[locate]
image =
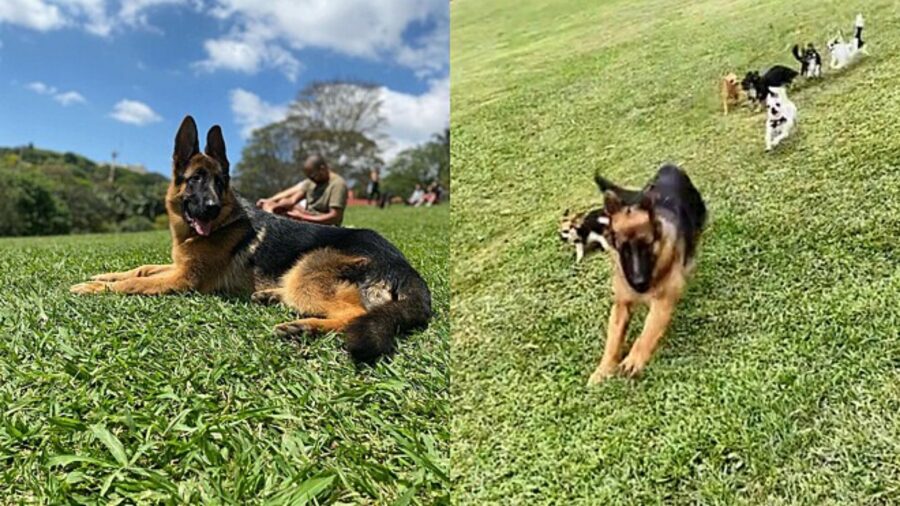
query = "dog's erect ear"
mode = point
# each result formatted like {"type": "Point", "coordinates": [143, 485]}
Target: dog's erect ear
{"type": "Point", "coordinates": [186, 145]}
{"type": "Point", "coordinates": [611, 202]}
{"type": "Point", "coordinates": [648, 200]}
{"type": "Point", "coordinates": [215, 147]}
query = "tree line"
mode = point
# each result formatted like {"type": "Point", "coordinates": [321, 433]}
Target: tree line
{"type": "Point", "coordinates": [344, 122]}
{"type": "Point", "coordinates": [45, 192]}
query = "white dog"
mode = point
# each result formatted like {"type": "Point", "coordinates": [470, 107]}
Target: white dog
{"type": "Point", "coordinates": [780, 117]}
{"type": "Point", "coordinates": [842, 52]}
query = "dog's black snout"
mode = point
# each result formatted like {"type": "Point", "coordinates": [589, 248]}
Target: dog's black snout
{"type": "Point", "coordinates": [641, 287]}
{"type": "Point", "coordinates": [211, 209]}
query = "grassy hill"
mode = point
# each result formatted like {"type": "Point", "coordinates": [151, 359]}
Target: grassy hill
{"type": "Point", "coordinates": [191, 399]}
{"type": "Point", "coordinates": [778, 380]}
{"type": "Point", "coordinates": [45, 192]}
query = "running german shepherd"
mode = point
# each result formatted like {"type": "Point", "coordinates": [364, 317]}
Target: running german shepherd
{"type": "Point", "coordinates": [348, 280]}
{"type": "Point", "coordinates": [653, 235]}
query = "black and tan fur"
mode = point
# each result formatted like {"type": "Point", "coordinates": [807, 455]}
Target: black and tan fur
{"type": "Point", "coordinates": [345, 280]}
{"type": "Point", "coordinates": [653, 235]}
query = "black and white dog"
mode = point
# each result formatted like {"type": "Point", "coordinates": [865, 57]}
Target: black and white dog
{"type": "Point", "coordinates": [842, 52]}
{"type": "Point", "coordinates": [810, 60]}
{"type": "Point", "coordinates": [585, 231]}
{"type": "Point", "coordinates": [780, 117]}
{"type": "Point", "coordinates": [757, 86]}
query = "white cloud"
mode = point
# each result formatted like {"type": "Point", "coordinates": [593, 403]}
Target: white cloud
{"type": "Point", "coordinates": [251, 112]}
{"type": "Point", "coordinates": [98, 17]}
{"type": "Point", "coordinates": [65, 98]}
{"type": "Point", "coordinates": [413, 119]}
{"type": "Point", "coordinates": [34, 14]}
{"type": "Point", "coordinates": [134, 112]}
{"type": "Point", "coordinates": [41, 88]}
{"type": "Point", "coordinates": [91, 14]}
{"type": "Point", "coordinates": [248, 56]}
{"type": "Point", "coordinates": [360, 28]}
{"type": "Point", "coordinates": [69, 98]}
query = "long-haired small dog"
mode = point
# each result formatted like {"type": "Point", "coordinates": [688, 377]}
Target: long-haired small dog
{"type": "Point", "coordinates": [842, 53]}
{"type": "Point", "coordinates": [757, 86]}
{"type": "Point", "coordinates": [730, 90]}
{"type": "Point", "coordinates": [810, 60]}
{"type": "Point", "coordinates": [780, 117]}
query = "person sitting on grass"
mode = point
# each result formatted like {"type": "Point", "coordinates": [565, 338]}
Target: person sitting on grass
{"type": "Point", "coordinates": [321, 198]}
{"type": "Point", "coordinates": [417, 195]}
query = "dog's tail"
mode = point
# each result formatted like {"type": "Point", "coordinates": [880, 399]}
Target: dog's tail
{"type": "Point", "coordinates": [859, 29]}
{"type": "Point", "coordinates": [605, 185]}
{"type": "Point", "coordinates": [373, 335]}
{"type": "Point", "coordinates": [797, 54]}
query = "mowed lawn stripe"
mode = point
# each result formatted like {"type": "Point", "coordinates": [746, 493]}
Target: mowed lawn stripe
{"type": "Point", "coordinates": [777, 380]}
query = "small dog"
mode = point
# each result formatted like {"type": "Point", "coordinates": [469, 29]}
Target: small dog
{"type": "Point", "coordinates": [842, 53]}
{"type": "Point", "coordinates": [730, 90]}
{"type": "Point", "coordinates": [810, 60]}
{"type": "Point", "coordinates": [652, 235]}
{"type": "Point", "coordinates": [757, 87]}
{"type": "Point", "coordinates": [780, 118]}
{"type": "Point", "coordinates": [585, 231]}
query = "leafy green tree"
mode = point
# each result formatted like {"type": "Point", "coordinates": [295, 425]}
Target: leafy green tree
{"type": "Point", "coordinates": [423, 164]}
{"type": "Point", "coordinates": [28, 206]}
{"type": "Point", "coordinates": [268, 163]}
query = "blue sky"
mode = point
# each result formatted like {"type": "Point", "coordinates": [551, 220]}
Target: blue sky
{"type": "Point", "coordinates": [93, 76]}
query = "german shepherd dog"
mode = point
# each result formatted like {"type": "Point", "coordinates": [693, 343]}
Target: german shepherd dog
{"type": "Point", "coordinates": [653, 235]}
{"type": "Point", "coordinates": [345, 280]}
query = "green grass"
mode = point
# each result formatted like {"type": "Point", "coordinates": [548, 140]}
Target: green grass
{"type": "Point", "coordinates": [190, 399]}
{"type": "Point", "coordinates": [778, 381]}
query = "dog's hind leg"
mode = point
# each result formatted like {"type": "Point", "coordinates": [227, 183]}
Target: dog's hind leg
{"type": "Point", "coordinates": [317, 286]}
{"type": "Point", "coordinates": [615, 336]}
{"type": "Point", "coordinates": [655, 326]}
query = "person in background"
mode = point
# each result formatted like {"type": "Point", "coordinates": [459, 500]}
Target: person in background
{"type": "Point", "coordinates": [321, 198]}
{"type": "Point", "coordinates": [417, 195]}
{"type": "Point", "coordinates": [374, 191]}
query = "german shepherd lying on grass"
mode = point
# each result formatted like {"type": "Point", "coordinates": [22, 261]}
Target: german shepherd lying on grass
{"type": "Point", "coordinates": [653, 235]}
{"type": "Point", "coordinates": [347, 280]}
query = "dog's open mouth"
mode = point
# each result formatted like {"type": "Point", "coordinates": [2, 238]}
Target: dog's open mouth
{"type": "Point", "coordinates": [202, 227]}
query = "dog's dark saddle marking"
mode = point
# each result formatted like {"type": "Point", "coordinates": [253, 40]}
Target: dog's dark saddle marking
{"type": "Point", "coordinates": [678, 197]}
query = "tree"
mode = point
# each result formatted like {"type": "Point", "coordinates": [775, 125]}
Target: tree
{"type": "Point", "coordinates": [341, 121]}
{"type": "Point", "coordinates": [423, 164]}
{"type": "Point", "coordinates": [28, 206]}
{"type": "Point", "coordinates": [268, 162]}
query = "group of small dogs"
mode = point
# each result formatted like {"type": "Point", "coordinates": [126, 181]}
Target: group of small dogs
{"type": "Point", "coordinates": [651, 234]}
{"type": "Point", "coordinates": [769, 88]}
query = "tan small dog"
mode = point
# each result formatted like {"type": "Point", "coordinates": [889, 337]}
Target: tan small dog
{"type": "Point", "coordinates": [731, 91]}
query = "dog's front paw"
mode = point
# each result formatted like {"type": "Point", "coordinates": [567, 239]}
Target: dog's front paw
{"type": "Point", "coordinates": [633, 365]}
{"type": "Point", "coordinates": [109, 276]}
{"type": "Point", "coordinates": [603, 372]}
{"type": "Point", "coordinates": [90, 287]}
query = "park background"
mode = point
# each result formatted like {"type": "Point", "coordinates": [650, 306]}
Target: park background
{"type": "Point", "coordinates": [190, 399]}
{"type": "Point", "coordinates": [93, 91]}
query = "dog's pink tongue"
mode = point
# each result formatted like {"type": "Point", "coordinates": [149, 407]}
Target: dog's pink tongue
{"type": "Point", "coordinates": [202, 227]}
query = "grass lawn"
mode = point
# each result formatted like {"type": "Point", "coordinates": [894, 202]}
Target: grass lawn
{"type": "Point", "coordinates": [779, 381]}
{"type": "Point", "coordinates": [190, 399]}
